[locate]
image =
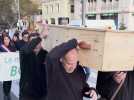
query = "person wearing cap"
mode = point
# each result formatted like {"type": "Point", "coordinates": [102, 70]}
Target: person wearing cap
{"type": "Point", "coordinates": [33, 35]}
{"type": "Point", "coordinates": [66, 79]}
{"type": "Point", "coordinates": [33, 73]}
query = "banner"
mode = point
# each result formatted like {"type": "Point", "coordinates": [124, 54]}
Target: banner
{"type": "Point", "coordinates": [9, 66]}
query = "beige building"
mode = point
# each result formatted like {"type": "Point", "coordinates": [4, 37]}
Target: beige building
{"type": "Point", "coordinates": [37, 1]}
{"type": "Point", "coordinates": [58, 11]}
{"type": "Point", "coordinates": [121, 11]}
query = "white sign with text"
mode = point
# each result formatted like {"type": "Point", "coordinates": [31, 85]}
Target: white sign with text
{"type": "Point", "coordinates": [9, 66]}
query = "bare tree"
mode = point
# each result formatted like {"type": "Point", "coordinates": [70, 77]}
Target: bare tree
{"type": "Point", "coordinates": [9, 11]}
{"type": "Point", "coordinates": [8, 16]}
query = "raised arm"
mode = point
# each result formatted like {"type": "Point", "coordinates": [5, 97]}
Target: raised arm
{"type": "Point", "coordinates": [61, 50]}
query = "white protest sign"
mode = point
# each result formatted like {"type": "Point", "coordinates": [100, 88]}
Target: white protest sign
{"type": "Point", "coordinates": [9, 66]}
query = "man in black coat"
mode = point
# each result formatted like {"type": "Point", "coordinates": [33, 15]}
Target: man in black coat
{"type": "Point", "coordinates": [108, 82]}
{"type": "Point", "coordinates": [24, 41]}
{"type": "Point", "coordinates": [66, 79]}
{"type": "Point", "coordinates": [33, 73]}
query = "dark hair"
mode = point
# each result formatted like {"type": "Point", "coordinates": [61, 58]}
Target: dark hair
{"type": "Point", "coordinates": [6, 35]}
{"type": "Point", "coordinates": [4, 32]}
{"type": "Point", "coordinates": [17, 35]}
{"type": "Point", "coordinates": [25, 32]}
{"type": "Point", "coordinates": [34, 35]}
{"type": "Point", "coordinates": [34, 42]}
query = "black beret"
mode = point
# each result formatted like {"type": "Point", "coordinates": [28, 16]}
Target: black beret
{"type": "Point", "coordinates": [34, 42]}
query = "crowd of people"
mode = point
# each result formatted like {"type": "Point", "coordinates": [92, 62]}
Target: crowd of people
{"type": "Point", "coordinates": [57, 75]}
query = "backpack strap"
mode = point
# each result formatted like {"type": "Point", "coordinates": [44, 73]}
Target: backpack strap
{"type": "Point", "coordinates": [117, 90]}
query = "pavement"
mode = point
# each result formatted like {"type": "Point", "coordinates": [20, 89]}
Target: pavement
{"type": "Point", "coordinates": [13, 97]}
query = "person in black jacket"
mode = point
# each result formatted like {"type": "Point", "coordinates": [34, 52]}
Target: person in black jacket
{"type": "Point", "coordinates": [108, 82]}
{"type": "Point", "coordinates": [33, 73]}
{"type": "Point", "coordinates": [19, 44]}
{"type": "Point", "coordinates": [7, 46]}
{"type": "Point", "coordinates": [66, 79]}
{"type": "Point", "coordinates": [15, 38]}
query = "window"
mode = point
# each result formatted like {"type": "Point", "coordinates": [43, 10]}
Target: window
{"type": "Point", "coordinates": [104, 1]}
{"type": "Point", "coordinates": [58, 6]}
{"type": "Point", "coordinates": [40, 12]}
{"type": "Point", "coordinates": [89, 1]}
{"type": "Point", "coordinates": [52, 20]}
{"type": "Point", "coordinates": [51, 8]}
{"type": "Point", "coordinates": [47, 10]}
{"type": "Point", "coordinates": [72, 8]}
{"type": "Point", "coordinates": [63, 20]}
{"type": "Point", "coordinates": [91, 16]}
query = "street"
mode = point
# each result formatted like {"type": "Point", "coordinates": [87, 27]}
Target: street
{"type": "Point", "coordinates": [13, 92]}
{"type": "Point", "coordinates": [1, 94]}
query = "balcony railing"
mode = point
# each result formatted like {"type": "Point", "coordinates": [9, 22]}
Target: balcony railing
{"type": "Point", "coordinates": [92, 7]}
{"type": "Point", "coordinates": [109, 6]}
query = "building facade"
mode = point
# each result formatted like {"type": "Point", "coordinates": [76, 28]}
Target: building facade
{"type": "Point", "coordinates": [57, 11]}
{"type": "Point", "coordinates": [121, 11]}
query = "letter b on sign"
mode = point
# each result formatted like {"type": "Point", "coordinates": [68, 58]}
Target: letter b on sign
{"type": "Point", "coordinates": [13, 71]}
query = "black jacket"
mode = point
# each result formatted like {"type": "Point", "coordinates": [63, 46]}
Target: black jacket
{"type": "Point", "coordinates": [60, 84]}
{"type": "Point", "coordinates": [106, 86]}
{"type": "Point", "coordinates": [19, 44]}
{"type": "Point", "coordinates": [33, 73]}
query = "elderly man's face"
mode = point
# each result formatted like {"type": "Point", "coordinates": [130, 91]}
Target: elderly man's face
{"type": "Point", "coordinates": [70, 61]}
